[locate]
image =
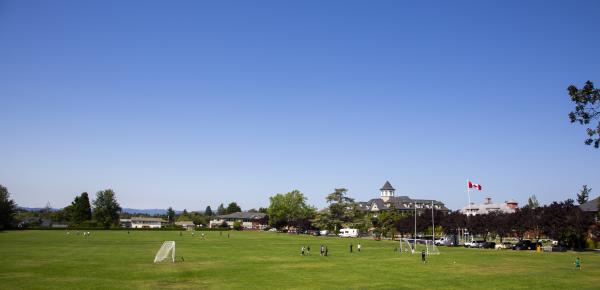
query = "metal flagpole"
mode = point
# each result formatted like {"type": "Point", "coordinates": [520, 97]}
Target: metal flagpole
{"type": "Point", "coordinates": [415, 236]}
{"type": "Point", "coordinates": [433, 224]}
{"type": "Point", "coordinates": [469, 207]}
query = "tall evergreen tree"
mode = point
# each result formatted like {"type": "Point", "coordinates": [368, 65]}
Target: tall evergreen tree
{"type": "Point", "coordinates": [532, 202]}
{"type": "Point", "coordinates": [170, 215]}
{"type": "Point", "coordinates": [106, 208]}
{"type": "Point", "coordinates": [208, 211]}
{"type": "Point", "coordinates": [8, 209]}
{"type": "Point", "coordinates": [221, 210]}
{"type": "Point", "coordinates": [584, 194]}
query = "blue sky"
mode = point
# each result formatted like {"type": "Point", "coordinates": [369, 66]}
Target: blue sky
{"type": "Point", "coordinates": [194, 103]}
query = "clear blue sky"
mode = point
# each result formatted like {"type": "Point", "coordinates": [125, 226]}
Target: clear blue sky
{"type": "Point", "coordinates": [194, 103]}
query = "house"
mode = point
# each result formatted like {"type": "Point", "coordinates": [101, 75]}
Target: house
{"type": "Point", "coordinates": [248, 220]}
{"type": "Point", "coordinates": [591, 206]}
{"type": "Point", "coordinates": [188, 225]}
{"type": "Point", "coordinates": [488, 206]}
{"type": "Point", "coordinates": [387, 200]}
{"type": "Point", "coordinates": [143, 222]}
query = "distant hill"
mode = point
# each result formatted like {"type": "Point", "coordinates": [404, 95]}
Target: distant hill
{"type": "Point", "coordinates": [36, 208]}
{"type": "Point", "coordinates": [150, 211]}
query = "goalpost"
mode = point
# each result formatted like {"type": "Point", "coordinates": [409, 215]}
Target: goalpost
{"type": "Point", "coordinates": [406, 247]}
{"type": "Point", "coordinates": [163, 253]}
{"type": "Point", "coordinates": [418, 245]}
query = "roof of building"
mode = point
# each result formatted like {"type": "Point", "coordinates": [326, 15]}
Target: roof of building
{"type": "Point", "coordinates": [487, 207]}
{"type": "Point", "coordinates": [147, 219]}
{"type": "Point", "coordinates": [591, 205]}
{"type": "Point", "coordinates": [387, 186]}
{"type": "Point", "coordinates": [244, 215]}
{"type": "Point", "coordinates": [401, 203]}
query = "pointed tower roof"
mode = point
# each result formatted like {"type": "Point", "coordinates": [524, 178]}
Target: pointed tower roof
{"type": "Point", "coordinates": [387, 186]}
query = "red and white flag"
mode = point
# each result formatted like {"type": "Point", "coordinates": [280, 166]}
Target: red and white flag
{"type": "Point", "coordinates": [474, 185]}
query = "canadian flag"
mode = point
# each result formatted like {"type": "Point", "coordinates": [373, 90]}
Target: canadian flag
{"type": "Point", "coordinates": [474, 185]}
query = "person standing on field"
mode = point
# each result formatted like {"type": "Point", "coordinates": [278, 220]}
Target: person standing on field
{"type": "Point", "coordinates": [358, 247]}
{"type": "Point", "coordinates": [302, 251]}
{"type": "Point", "coordinates": [423, 257]}
{"type": "Point", "coordinates": [308, 250]}
{"type": "Point", "coordinates": [350, 248]}
{"type": "Point", "coordinates": [578, 264]}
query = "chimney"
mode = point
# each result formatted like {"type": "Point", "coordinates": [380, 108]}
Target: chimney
{"type": "Point", "coordinates": [488, 200]}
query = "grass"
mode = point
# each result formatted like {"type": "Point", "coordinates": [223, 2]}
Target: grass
{"type": "Point", "coordinates": [246, 260]}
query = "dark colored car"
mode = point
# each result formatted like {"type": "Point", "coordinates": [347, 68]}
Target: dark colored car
{"type": "Point", "coordinates": [489, 245]}
{"type": "Point", "coordinates": [525, 245]}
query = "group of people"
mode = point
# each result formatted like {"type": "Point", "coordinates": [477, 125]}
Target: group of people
{"type": "Point", "coordinates": [304, 251]}
{"type": "Point", "coordinates": [358, 247]}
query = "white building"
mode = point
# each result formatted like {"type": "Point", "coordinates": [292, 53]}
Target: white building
{"type": "Point", "coordinates": [143, 222]}
{"type": "Point", "coordinates": [188, 225]}
{"type": "Point", "coordinates": [488, 206]}
{"type": "Point", "coordinates": [387, 200]}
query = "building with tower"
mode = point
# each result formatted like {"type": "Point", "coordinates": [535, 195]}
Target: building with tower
{"type": "Point", "coordinates": [388, 200]}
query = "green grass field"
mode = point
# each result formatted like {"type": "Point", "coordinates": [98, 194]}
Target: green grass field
{"type": "Point", "coordinates": [115, 259]}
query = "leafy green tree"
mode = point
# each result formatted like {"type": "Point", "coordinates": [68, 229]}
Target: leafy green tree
{"type": "Point", "coordinates": [262, 210]}
{"type": "Point", "coordinates": [199, 219]}
{"type": "Point", "coordinates": [208, 211]}
{"type": "Point", "coordinates": [170, 215]}
{"type": "Point", "coordinates": [290, 209]}
{"type": "Point", "coordinates": [232, 208]}
{"type": "Point", "coordinates": [587, 108]}
{"type": "Point", "coordinates": [106, 208]}
{"type": "Point", "coordinates": [221, 210]}
{"type": "Point", "coordinates": [237, 226]}
{"type": "Point", "coordinates": [583, 195]}
{"type": "Point", "coordinates": [342, 210]}
{"type": "Point", "coordinates": [79, 210]}
{"type": "Point", "coordinates": [8, 209]}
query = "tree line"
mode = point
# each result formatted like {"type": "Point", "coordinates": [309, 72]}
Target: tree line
{"type": "Point", "coordinates": [561, 221]}
{"type": "Point", "coordinates": [104, 211]}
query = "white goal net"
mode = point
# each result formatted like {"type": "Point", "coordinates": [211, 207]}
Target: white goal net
{"type": "Point", "coordinates": [163, 253]}
{"type": "Point", "coordinates": [417, 245]}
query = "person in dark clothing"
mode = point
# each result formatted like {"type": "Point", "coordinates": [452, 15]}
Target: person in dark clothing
{"type": "Point", "coordinates": [326, 250]}
{"type": "Point", "coordinates": [308, 250]}
{"type": "Point", "coordinates": [350, 248]}
{"type": "Point", "coordinates": [423, 257]}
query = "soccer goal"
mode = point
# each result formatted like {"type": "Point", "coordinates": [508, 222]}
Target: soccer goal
{"type": "Point", "coordinates": [431, 248]}
{"type": "Point", "coordinates": [406, 246]}
{"type": "Point", "coordinates": [163, 253]}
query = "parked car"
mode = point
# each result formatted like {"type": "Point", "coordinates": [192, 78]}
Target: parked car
{"type": "Point", "coordinates": [489, 245]}
{"type": "Point", "coordinates": [348, 233]}
{"type": "Point", "coordinates": [526, 245]}
{"type": "Point", "coordinates": [474, 244]}
{"type": "Point", "coordinates": [445, 241]}
{"type": "Point", "coordinates": [505, 245]}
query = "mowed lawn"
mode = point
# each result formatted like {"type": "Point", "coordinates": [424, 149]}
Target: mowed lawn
{"type": "Point", "coordinates": [261, 260]}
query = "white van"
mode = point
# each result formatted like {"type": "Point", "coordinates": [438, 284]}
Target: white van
{"type": "Point", "coordinates": [348, 233]}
